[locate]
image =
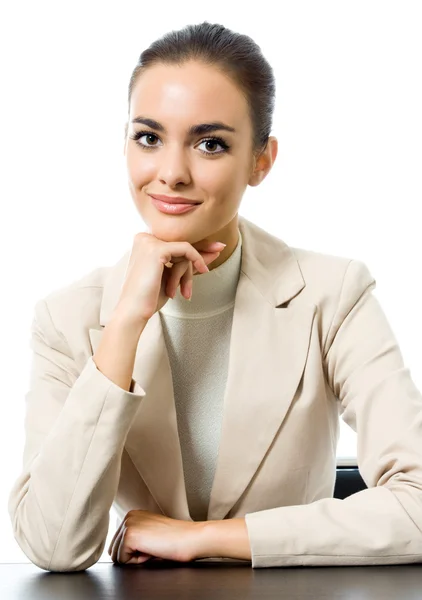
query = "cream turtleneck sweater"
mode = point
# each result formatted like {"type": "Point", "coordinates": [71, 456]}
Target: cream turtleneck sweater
{"type": "Point", "coordinates": [197, 336]}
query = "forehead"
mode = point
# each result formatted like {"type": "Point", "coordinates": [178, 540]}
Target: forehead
{"type": "Point", "coordinates": [191, 92]}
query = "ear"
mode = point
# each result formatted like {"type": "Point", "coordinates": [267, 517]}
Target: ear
{"type": "Point", "coordinates": [264, 162]}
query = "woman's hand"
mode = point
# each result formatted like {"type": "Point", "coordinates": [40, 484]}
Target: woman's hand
{"type": "Point", "coordinates": [143, 535]}
{"type": "Point", "coordinates": [155, 271]}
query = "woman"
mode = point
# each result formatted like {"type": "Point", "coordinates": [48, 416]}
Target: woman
{"type": "Point", "coordinates": [211, 424]}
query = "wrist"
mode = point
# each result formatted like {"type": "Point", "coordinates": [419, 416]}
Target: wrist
{"type": "Point", "coordinates": [226, 538]}
{"type": "Point", "coordinates": [206, 539]}
{"type": "Point", "coordinates": [124, 319]}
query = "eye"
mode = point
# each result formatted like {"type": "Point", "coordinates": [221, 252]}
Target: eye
{"type": "Point", "coordinates": [215, 140]}
{"type": "Point", "coordinates": [151, 136]}
{"type": "Point", "coordinates": [140, 134]}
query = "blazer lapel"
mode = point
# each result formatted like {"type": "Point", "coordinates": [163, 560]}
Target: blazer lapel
{"type": "Point", "coordinates": [268, 350]}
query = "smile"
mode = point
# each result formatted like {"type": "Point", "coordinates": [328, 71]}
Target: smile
{"type": "Point", "coordinates": [173, 209]}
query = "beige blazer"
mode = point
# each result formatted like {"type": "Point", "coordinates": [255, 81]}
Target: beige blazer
{"type": "Point", "coordinates": [309, 343]}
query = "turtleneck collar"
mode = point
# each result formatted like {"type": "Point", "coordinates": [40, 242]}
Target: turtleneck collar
{"type": "Point", "coordinates": [212, 292]}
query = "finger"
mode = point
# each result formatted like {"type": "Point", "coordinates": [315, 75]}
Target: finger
{"type": "Point", "coordinates": [186, 281]}
{"type": "Point", "coordinates": [123, 551]}
{"type": "Point", "coordinates": [183, 251]}
{"type": "Point", "coordinates": [138, 559]}
{"type": "Point", "coordinates": [208, 258]}
{"type": "Point", "coordinates": [116, 533]}
{"type": "Point", "coordinates": [176, 274]}
{"type": "Point", "coordinates": [116, 546]}
{"type": "Point", "coordinates": [127, 552]}
{"type": "Point", "coordinates": [182, 273]}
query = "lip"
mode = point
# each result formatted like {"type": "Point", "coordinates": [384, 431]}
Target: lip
{"type": "Point", "coordinates": [174, 199]}
{"type": "Point", "coordinates": [172, 209]}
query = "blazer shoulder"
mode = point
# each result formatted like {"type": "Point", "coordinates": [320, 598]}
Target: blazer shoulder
{"type": "Point", "coordinates": [74, 305]}
{"type": "Point", "coordinates": [333, 283]}
{"type": "Point", "coordinates": [325, 273]}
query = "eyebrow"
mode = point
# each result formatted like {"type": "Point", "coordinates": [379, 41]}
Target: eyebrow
{"type": "Point", "coordinates": [192, 131]}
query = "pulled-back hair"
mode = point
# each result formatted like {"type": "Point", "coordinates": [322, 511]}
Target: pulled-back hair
{"type": "Point", "coordinates": [234, 54]}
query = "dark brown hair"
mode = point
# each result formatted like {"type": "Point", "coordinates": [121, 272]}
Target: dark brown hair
{"type": "Point", "coordinates": [234, 54]}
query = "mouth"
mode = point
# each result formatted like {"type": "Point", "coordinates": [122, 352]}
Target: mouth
{"type": "Point", "coordinates": [173, 208]}
{"type": "Point", "coordinates": [174, 199]}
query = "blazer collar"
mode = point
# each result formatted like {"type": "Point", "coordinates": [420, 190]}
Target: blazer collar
{"type": "Point", "coordinates": [268, 349]}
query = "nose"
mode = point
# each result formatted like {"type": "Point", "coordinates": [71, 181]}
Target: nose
{"type": "Point", "coordinates": [173, 166]}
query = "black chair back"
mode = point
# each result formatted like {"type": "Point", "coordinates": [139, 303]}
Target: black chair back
{"type": "Point", "coordinates": [348, 482]}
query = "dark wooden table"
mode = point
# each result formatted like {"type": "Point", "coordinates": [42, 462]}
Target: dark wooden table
{"type": "Point", "coordinates": [207, 579]}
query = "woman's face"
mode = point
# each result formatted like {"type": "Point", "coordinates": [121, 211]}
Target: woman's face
{"type": "Point", "coordinates": [176, 163]}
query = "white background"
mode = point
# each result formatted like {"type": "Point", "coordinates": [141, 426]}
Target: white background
{"type": "Point", "coordinates": [346, 181]}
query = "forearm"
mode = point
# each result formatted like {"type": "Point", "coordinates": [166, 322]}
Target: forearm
{"type": "Point", "coordinates": [60, 503]}
{"type": "Point", "coordinates": [223, 538]}
{"type": "Point", "coordinates": [75, 433]}
{"type": "Point", "coordinates": [115, 355]}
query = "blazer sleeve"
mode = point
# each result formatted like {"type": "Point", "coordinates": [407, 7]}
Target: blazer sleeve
{"type": "Point", "coordinates": [379, 400]}
{"type": "Point", "coordinates": [76, 425]}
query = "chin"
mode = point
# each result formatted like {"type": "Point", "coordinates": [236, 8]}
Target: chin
{"type": "Point", "coordinates": [171, 232]}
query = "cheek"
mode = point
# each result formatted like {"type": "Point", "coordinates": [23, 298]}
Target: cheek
{"type": "Point", "coordinates": [139, 170]}
{"type": "Point", "coordinates": [219, 179]}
